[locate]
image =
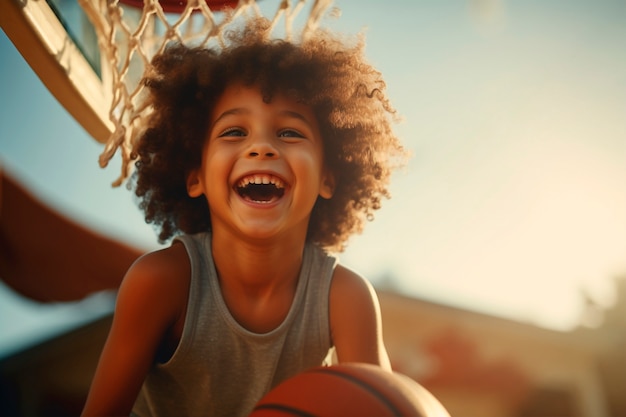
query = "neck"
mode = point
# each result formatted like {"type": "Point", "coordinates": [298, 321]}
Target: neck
{"type": "Point", "coordinates": [257, 267]}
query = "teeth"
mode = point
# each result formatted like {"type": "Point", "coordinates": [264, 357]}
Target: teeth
{"type": "Point", "coordinates": [260, 179]}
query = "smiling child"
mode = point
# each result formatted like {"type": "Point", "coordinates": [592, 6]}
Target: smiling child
{"type": "Point", "coordinates": [260, 160]}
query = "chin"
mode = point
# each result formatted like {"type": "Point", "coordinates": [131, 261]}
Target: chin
{"type": "Point", "coordinates": [264, 234]}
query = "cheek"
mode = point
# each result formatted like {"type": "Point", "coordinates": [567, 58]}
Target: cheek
{"type": "Point", "coordinates": [213, 170]}
{"type": "Point", "coordinates": [310, 168]}
{"type": "Point", "coordinates": [215, 158]}
{"type": "Point", "coordinates": [310, 155]}
{"type": "Point", "coordinates": [308, 164]}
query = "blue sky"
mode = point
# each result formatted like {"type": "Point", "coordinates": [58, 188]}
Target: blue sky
{"type": "Point", "coordinates": [514, 200]}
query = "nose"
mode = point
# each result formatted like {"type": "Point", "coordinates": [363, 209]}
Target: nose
{"type": "Point", "coordinates": [266, 154]}
{"type": "Point", "coordinates": [262, 148]}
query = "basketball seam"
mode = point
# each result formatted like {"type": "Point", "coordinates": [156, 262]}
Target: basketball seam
{"type": "Point", "coordinates": [394, 410]}
{"type": "Point", "coordinates": [281, 407]}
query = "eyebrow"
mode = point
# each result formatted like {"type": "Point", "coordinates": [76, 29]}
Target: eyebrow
{"type": "Point", "coordinates": [237, 110]}
{"type": "Point", "coordinates": [242, 110]}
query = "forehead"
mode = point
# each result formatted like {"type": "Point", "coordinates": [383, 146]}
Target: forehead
{"type": "Point", "coordinates": [237, 96]}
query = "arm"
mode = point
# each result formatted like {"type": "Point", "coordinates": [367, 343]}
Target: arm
{"type": "Point", "coordinates": [33, 263]}
{"type": "Point", "coordinates": [151, 300]}
{"type": "Point", "coordinates": [355, 320]}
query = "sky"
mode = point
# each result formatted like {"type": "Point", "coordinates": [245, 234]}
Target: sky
{"type": "Point", "coordinates": [513, 202]}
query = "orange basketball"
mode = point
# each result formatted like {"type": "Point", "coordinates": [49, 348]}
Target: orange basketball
{"type": "Point", "coordinates": [347, 390]}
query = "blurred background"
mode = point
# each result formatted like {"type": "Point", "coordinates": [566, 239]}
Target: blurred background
{"type": "Point", "coordinates": [500, 259]}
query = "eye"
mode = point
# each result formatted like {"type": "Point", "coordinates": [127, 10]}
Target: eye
{"type": "Point", "coordinates": [290, 134]}
{"type": "Point", "coordinates": [236, 132]}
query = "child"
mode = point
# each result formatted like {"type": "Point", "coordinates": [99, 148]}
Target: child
{"type": "Point", "coordinates": [258, 159]}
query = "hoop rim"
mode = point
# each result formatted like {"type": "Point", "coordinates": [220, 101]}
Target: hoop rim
{"type": "Point", "coordinates": [178, 6]}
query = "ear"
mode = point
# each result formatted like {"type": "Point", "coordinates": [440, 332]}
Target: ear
{"type": "Point", "coordinates": [327, 188]}
{"type": "Point", "coordinates": [194, 187]}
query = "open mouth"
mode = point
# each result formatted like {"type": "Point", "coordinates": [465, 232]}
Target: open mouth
{"type": "Point", "coordinates": [260, 188]}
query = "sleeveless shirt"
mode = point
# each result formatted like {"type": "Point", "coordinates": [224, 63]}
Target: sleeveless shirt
{"type": "Point", "coordinates": [222, 369]}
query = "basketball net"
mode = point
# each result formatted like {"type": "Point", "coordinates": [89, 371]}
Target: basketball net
{"type": "Point", "coordinates": [128, 38]}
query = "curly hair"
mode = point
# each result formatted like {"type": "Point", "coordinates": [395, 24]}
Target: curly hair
{"type": "Point", "coordinates": [325, 72]}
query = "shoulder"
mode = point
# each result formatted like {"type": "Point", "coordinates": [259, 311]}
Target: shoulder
{"type": "Point", "coordinates": [162, 263]}
{"type": "Point", "coordinates": [355, 319]}
{"type": "Point", "coordinates": [348, 284]}
{"type": "Point", "coordinates": [158, 279]}
{"type": "Point", "coordinates": [351, 294]}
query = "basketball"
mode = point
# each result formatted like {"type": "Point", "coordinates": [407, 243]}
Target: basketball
{"type": "Point", "coordinates": [347, 390]}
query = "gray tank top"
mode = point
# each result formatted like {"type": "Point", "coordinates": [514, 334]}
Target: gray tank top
{"type": "Point", "coordinates": [220, 368]}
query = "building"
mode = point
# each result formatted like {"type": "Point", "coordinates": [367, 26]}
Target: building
{"type": "Point", "coordinates": [480, 365]}
{"type": "Point", "coordinates": [476, 364]}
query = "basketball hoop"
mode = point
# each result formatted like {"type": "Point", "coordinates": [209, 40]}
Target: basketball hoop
{"type": "Point", "coordinates": [93, 54]}
{"type": "Point", "coordinates": [178, 6]}
{"type": "Point", "coordinates": [131, 32]}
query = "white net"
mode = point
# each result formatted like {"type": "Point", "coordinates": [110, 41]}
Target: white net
{"type": "Point", "coordinates": [129, 37]}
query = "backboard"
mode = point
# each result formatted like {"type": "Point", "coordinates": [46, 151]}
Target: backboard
{"type": "Point", "coordinates": [59, 43]}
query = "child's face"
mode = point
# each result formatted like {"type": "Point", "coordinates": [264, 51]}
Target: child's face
{"type": "Point", "coordinates": [262, 165]}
